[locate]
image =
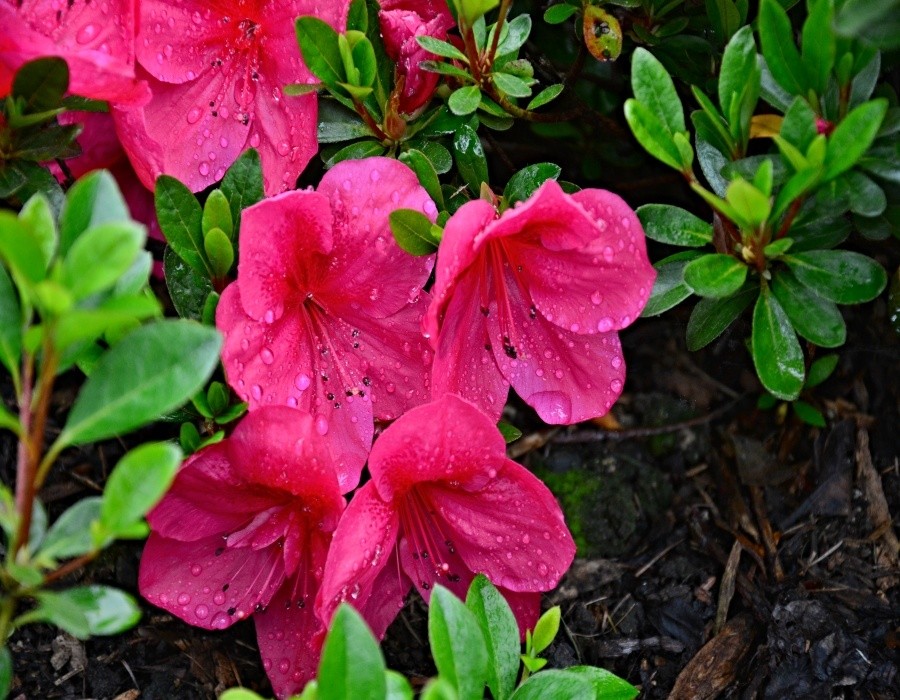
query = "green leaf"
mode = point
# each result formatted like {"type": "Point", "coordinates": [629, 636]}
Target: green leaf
{"type": "Point", "coordinates": [337, 124]}
{"type": "Point", "coordinates": [852, 137]}
{"type": "Point", "coordinates": [242, 186]}
{"type": "Point", "coordinates": [500, 630]}
{"type": "Point", "coordinates": [548, 94]}
{"type": "Point", "coordinates": [20, 249]}
{"type": "Point", "coordinates": [557, 14]}
{"type": "Point", "coordinates": [219, 252]}
{"type": "Point", "coordinates": [10, 324]}
{"type": "Point", "coordinates": [243, 694]}
{"type": "Point", "coordinates": [653, 87]}
{"type": "Point", "coordinates": [187, 289]}
{"type": "Point", "coordinates": [814, 318]}
{"type": "Point", "coordinates": [6, 671]}
{"type": "Point", "coordinates": [470, 160]}
{"type": "Point", "coordinates": [777, 248]}
{"type": "Point", "coordinates": [514, 36]}
{"type": "Point", "coordinates": [724, 18]}
{"type": "Point", "coordinates": [738, 69]}
{"type": "Point", "coordinates": [808, 414]}
{"type": "Point", "coordinates": [107, 610]}
{"type": "Point", "coordinates": [557, 685]}
{"type": "Point", "coordinates": [60, 610]}
{"type": "Point", "coordinates": [38, 217]}
{"type": "Point", "coordinates": [799, 125]}
{"type": "Point", "coordinates": [457, 644]}
{"type": "Point", "coordinates": [820, 370]}
{"type": "Point", "coordinates": [352, 667]}
{"type": "Point", "coordinates": [751, 206]}
{"type": "Point", "coordinates": [607, 686]}
{"type": "Point", "coordinates": [669, 288]}
{"type": "Point", "coordinates": [779, 49]}
{"type": "Point", "coordinates": [320, 49]}
{"type": "Point", "coordinates": [511, 85]}
{"type": "Point", "coordinates": [441, 48]}
{"type": "Point", "coordinates": [137, 484]}
{"type": "Point", "coordinates": [839, 275]}
{"type": "Point", "coordinates": [180, 218]}
{"type": "Point", "coordinates": [465, 100]}
{"type": "Point", "coordinates": [217, 214]}
{"type": "Point", "coordinates": [545, 630]}
{"type": "Point", "coordinates": [651, 134]}
{"type": "Point", "coordinates": [715, 275]}
{"type": "Point", "coordinates": [526, 181]}
{"type": "Point", "coordinates": [354, 151]}
{"type": "Point", "coordinates": [412, 231]}
{"type": "Point", "coordinates": [70, 535]}
{"type": "Point", "coordinates": [711, 317]}
{"type": "Point", "coordinates": [425, 171]}
{"type": "Point", "coordinates": [818, 44]}
{"type": "Point", "coordinates": [865, 196]}
{"type": "Point", "coordinates": [397, 686]}
{"type": "Point", "coordinates": [41, 83]}
{"type": "Point", "coordinates": [776, 351]}
{"type": "Point", "coordinates": [150, 371]}
{"type": "Point", "coordinates": [509, 432]}
{"type": "Point", "coordinates": [675, 226]}
{"type": "Point", "coordinates": [93, 200]}
{"type": "Point", "coordinates": [116, 244]}
{"type": "Point", "coordinates": [468, 11]}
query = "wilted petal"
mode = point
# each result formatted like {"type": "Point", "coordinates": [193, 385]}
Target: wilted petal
{"type": "Point", "coordinates": [206, 584]}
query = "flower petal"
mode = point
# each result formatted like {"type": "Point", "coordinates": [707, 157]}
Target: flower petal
{"type": "Point", "coordinates": [564, 376]}
{"type": "Point", "coordinates": [282, 364]}
{"type": "Point", "coordinates": [361, 568]}
{"type": "Point", "coordinates": [447, 440]}
{"type": "Point", "coordinates": [363, 193]}
{"type": "Point", "coordinates": [511, 528]}
{"type": "Point", "coordinates": [206, 584]}
{"type": "Point", "coordinates": [179, 41]}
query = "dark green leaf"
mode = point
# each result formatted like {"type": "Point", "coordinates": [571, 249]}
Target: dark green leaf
{"type": "Point", "coordinates": [839, 275]}
{"type": "Point", "coordinates": [853, 136]}
{"type": "Point", "coordinates": [865, 82]}
{"type": "Point", "coordinates": [470, 160]}
{"type": "Point", "coordinates": [776, 351]}
{"type": "Point", "coordinates": [818, 44]}
{"type": "Point", "coordinates": [653, 87]}
{"type": "Point", "coordinates": [180, 218]}
{"type": "Point", "coordinates": [509, 432]}
{"type": "Point", "coordinates": [820, 370]}
{"type": "Point", "coordinates": [814, 318]}
{"type": "Point", "coordinates": [724, 18]}
{"type": "Point", "coordinates": [525, 182]}
{"type": "Point", "coordinates": [738, 67]}
{"type": "Point", "coordinates": [652, 134]}
{"type": "Point", "coordinates": [669, 288]}
{"type": "Point", "coordinates": [355, 151]}
{"type": "Point", "coordinates": [39, 180]}
{"type": "Point", "coordinates": [607, 686]}
{"type": "Point", "coordinates": [352, 667]}
{"type": "Point", "coordinates": [779, 49]}
{"type": "Point", "coordinates": [319, 46]}
{"type": "Point", "coordinates": [6, 671]}
{"type": "Point", "coordinates": [441, 48]}
{"type": "Point", "coordinates": [511, 85]}
{"type": "Point", "coordinates": [457, 644]}
{"type": "Point", "coordinates": [426, 173]}
{"type": "Point", "coordinates": [711, 317]}
{"type": "Point", "coordinates": [117, 244]}
{"type": "Point", "coordinates": [715, 275]}
{"type": "Point", "coordinates": [412, 231]}
{"type": "Point", "coordinates": [70, 535]}
{"type": "Point", "coordinates": [93, 200]}
{"type": "Point", "coordinates": [548, 94]}
{"type": "Point", "coordinates": [799, 125]}
{"type": "Point", "coordinates": [10, 323]}
{"type": "Point", "coordinates": [41, 83]}
{"type": "Point", "coordinates": [555, 684]}
{"type": "Point", "coordinates": [187, 289]}
{"type": "Point", "coordinates": [337, 124]}
{"type": "Point", "coordinates": [465, 100]}
{"type": "Point", "coordinates": [866, 198]}
{"type": "Point", "coordinates": [499, 628]}
{"type": "Point", "coordinates": [557, 14]}
{"type": "Point", "coordinates": [137, 483]}
{"type": "Point", "coordinates": [808, 414]}
{"type": "Point", "coordinates": [154, 369]}
{"type": "Point", "coordinates": [675, 226]}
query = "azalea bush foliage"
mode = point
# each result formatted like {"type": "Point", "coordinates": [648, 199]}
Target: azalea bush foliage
{"type": "Point", "coordinates": [346, 348]}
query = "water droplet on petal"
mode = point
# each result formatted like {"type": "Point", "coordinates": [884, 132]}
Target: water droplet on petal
{"type": "Point", "coordinates": [615, 385]}
{"type": "Point", "coordinates": [302, 381]}
{"type": "Point", "coordinates": [616, 362]}
{"type": "Point", "coordinates": [608, 253]}
{"type": "Point", "coordinates": [183, 599]}
{"type": "Point", "coordinates": [204, 168]}
{"type": "Point", "coordinates": [86, 33]}
{"type": "Point", "coordinates": [196, 570]}
{"type": "Point", "coordinates": [219, 598]}
{"type": "Point", "coordinates": [605, 324]}
{"type": "Point", "coordinates": [194, 115]}
{"type": "Point", "coordinates": [283, 148]}
{"type": "Point", "coordinates": [254, 141]}
{"type": "Point", "coordinates": [220, 621]}
{"type": "Point", "coordinates": [256, 391]}
{"type": "Point", "coordinates": [201, 611]}
{"type": "Point", "coordinates": [267, 356]}
{"type": "Point", "coordinates": [321, 425]}
{"type": "Point", "coordinates": [596, 298]}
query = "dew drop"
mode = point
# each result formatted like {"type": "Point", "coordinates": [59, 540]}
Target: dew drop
{"type": "Point", "coordinates": [183, 599]}
{"type": "Point", "coordinates": [596, 298]}
{"type": "Point", "coordinates": [284, 666]}
{"type": "Point", "coordinates": [204, 168]}
{"type": "Point", "coordinates": [196, 570]}
{"type": "Point", "coordinates": [254, 141]}
{"type": "Point", "coordinates": [608, 253]}
{"type": "Point", "coordinates": [256, 391]}
{"type": "Point", "coordinates": [194, 115]}
{"type": "Point", "coordinates": [321, 425]}
{"type": "Point", "coordinates": [219, 598]}
{"type": "Point", "coordinates": [220, 621]}
{"type": "Point", "coordinates": [267, 356]}
{"type": "Point", "coordinates": [201, 611]}
{"type": "Point", "coordinates": [616, 362]}
{"type": "Point", "coordinates": [615, 385]}
{"type": "Point", "coordinates": [86, 33]}
{"type": "Point", "coordinates": [605, 324]}
{"type": "Point", "coordinates": [302, 381]}
{"type": "Point", "coordinates": [283, 148]}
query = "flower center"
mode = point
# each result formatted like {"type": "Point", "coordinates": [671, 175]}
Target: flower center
{"type": "Point", "coordinates": [433, 553]}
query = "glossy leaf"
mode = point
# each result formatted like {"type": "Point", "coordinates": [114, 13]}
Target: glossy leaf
{"type": "Point", "coordinates": [607, 686]}
{"type": "Point", "coordinates": [548, 94]}
{"type": "Point", "coordinates": [465, 100]}
{"type": "Point", "coordinates": [852, 137]}
{"type": "Point", "coordinates": [187, 289]}
{"type": "Point", "coordinates": [457, 644]}
{"type": "Point", "coordinates": [219, 251]}
{"type": "Point", "coordinates": [738, 67]}
{"type": "Point", "coordinates": [818, 44]}
{"type": "Point", "coordinates": [715, 275]}
{"type": "Point", "coordinates": [545, 630]}
{"type": "Point", "coordinates": [820, 370]}
{"type": "Point", "coordinates": [526, 181]}
{"type": "Point", "coordinates": [653, 87]}
{"type": "Point", "coordinates": [470, 160]}
{"type": "Point", "coordinates": [839, 275]}
{"type": "Point", "coordinates": [10, 324]}
{"type": "Point", "coordinates": [814, 318]}
{"type": "Point", "coordinates": [180, 218]}
{"type": "Point", "coordinates": [711, 317]}
{"type": "Point", "coordinates": [412, 231]}
{"type": "Point", "coordinates": [555, 684]}
{"type": "Point", "coordinates": [93, 200]}
{"type": "Point", "coordinates": [151, 371]}
{"type": "Point", "coordinates": [651, 133]}
{"type": "Point", "coordinates": [779, 49]}
{"type": "Point", "coordinates": [501, 633]}
{"type": "Point", "coordinates": [319, 46]}
{"type": "Point", "coordinates": [117, 244]}
{"type": "Point", "coordinates": [352, 666]}
{"type": "Point", "coordinates": [41, 84]}
{"type": "Point", "coordinates": [441, 48]}
{"type": "Point", "coordinates": [669, 288]}
{"type": "Point", "coordinates": [776, 351]}
{"type": "Point", "coordinates": [675, 226]}
{"type": "Point", "coordinates": [426, 172]}
{"type": "Point", "coordinates": [70, 535]}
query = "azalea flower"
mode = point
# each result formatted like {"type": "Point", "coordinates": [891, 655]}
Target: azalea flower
{"type": "Point", "coordinates": [218, 72]}
{"type": "Point", "coordinates": [244, 531]}
{"type": "Point", "coordinates": [96, 39]}
{"type": "Point", "coordinates": [401, 22]}
{"type": "Point", "coordinates": [444, 504]}
{"type": "Point", "coordinates": [326, 310]}
{"type": "Point", "coordinates": [534, 298]}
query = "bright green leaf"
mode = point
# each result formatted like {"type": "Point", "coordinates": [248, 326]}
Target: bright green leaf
{"type": "Point", "coordinates": [352, 667]}
{"type": "Point", "coordinates": [500, 630]}
{"type": "Point", "coordinates": [715, 275]}
{"type": "Point", "coordinates": [457, 644]}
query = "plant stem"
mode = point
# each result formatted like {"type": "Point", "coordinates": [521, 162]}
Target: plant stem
{"type": "Point", "coordinates": [789, 218]}
{"type": "Point", "coordinates": [70, 566]}
{"type": "Point", "coordinates": [24, 478]}
{"type": "Point", "coordinates": [501, 19]}
{"type": "Point", "coordinates": [370, 122]}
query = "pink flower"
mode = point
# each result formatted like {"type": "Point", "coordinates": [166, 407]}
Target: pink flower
{"type": "Point", "coordinates": [244, 531]}
{"type": "Point", "coordinates": [534, 297]}
{"type": "Point", "coordinates": [444, 504]}
{"type": "Point", "coordinates": [218, 71]}
{"type": "Point", "coordinates": [95, 39]}
{"type": "Point", "coordinates": [326, 310]}
{"type": "Point", "coordinates": [401, 22]}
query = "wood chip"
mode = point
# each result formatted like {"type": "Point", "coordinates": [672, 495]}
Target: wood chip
{"type": "Point", "coordinates": [132, 694]}
{"type": "Point", "coordinates": [888, 551]}
{"type": "Point", "coordinates": [716, 665]}
{"type": "Point", "coordinates": [726, 590]}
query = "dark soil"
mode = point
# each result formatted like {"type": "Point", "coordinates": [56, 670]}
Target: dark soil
{"type": "Point", "coordinates": [723, 553]}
